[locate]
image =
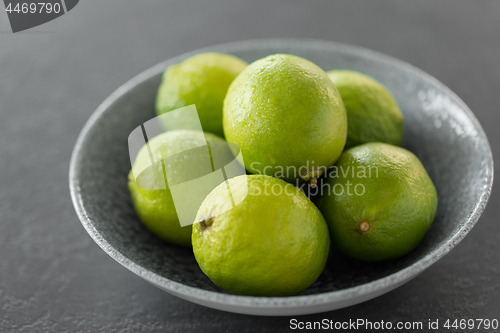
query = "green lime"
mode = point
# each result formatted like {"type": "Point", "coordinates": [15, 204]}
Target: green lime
{"type": "Point", "coordinates": [275, 242]}
{"type": "Point", "coordinates": [155, 207]}
{"type": "Point", "coordinates": [378, 201]}
{"type": "Point", "coordinates": [287, 117]}
{"type": "Point", "coordinates": [372, 112]}
{"type": "Point", "coordinates": [202, 80]}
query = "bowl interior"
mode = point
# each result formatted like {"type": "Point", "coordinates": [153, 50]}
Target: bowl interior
{"type": "Point", "coordinates": [439, 129]}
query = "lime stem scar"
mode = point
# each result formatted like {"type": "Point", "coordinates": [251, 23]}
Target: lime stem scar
{"type": "Point", "coordinates": [363, 227]}
{"type": "Point", "coordinates": [206, 223]}
{"type": "Point", "coordinates": [312, 176]}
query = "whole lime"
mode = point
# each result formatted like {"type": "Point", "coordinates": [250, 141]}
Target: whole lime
{"type": "Point", "coordinates": [286, 116]}
{"type": "Point", "coordinates": [273, 243]}
{"type": "Point", "coordinates": [202, 80]}
{"type": "Point", "coordinates": [372, 112]}
{"type": "Point", "coordinates": [378, 201]}
{"type": "Point", "coordinates": [155, 207]}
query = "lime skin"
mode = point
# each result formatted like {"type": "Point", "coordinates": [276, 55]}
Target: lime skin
{"type": "Point", "coordinates": [372, 112]}
{"type": "Point", "coordinates": [155, 207]}
{"type": "Point", "coordinates": [273, 243]}
{"type": "Point", "coordinates": [391, 204]}
{"type": "Point", "coordinates": [202, 80]}
{"type": "Point", "coordinates": [286, 116]}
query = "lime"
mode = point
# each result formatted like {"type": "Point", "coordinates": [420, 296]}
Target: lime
{"type": "Point", "coordinates": [372, 112]}
{"type": "Point", "coordinates": [287, 117]}
{"type": "Point", "coordinates": [378, 201]}
{"type": "Point", "coordinates": [155, 207]}
{"type": "Point", "coordinates": [202, 80]}
{"type": "Point", "coordinates": [273, 243]}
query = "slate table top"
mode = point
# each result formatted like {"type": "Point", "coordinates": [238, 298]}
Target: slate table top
{"type": "Point", "coordinates": [54, 278]}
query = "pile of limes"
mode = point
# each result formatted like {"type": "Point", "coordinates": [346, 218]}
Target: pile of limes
{"type": "Point", "coordinates": [298, 127]}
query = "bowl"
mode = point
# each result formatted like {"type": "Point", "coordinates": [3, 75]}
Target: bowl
{"type": "Point", "coordinates": [439, 128]}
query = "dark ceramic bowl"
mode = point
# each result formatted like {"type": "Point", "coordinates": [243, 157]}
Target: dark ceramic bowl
{"type": "Point", "coordinates": [439, 128]}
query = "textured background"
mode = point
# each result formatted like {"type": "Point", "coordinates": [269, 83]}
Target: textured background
{"type": "Point", "coordinates": [53, 278]}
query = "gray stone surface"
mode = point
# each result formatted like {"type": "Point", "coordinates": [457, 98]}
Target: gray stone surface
{"type": "Point", "coordinates": [52, 275]}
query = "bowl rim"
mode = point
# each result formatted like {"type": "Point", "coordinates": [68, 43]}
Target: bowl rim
{"type": "Point", "coordinates": [314, 300]}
